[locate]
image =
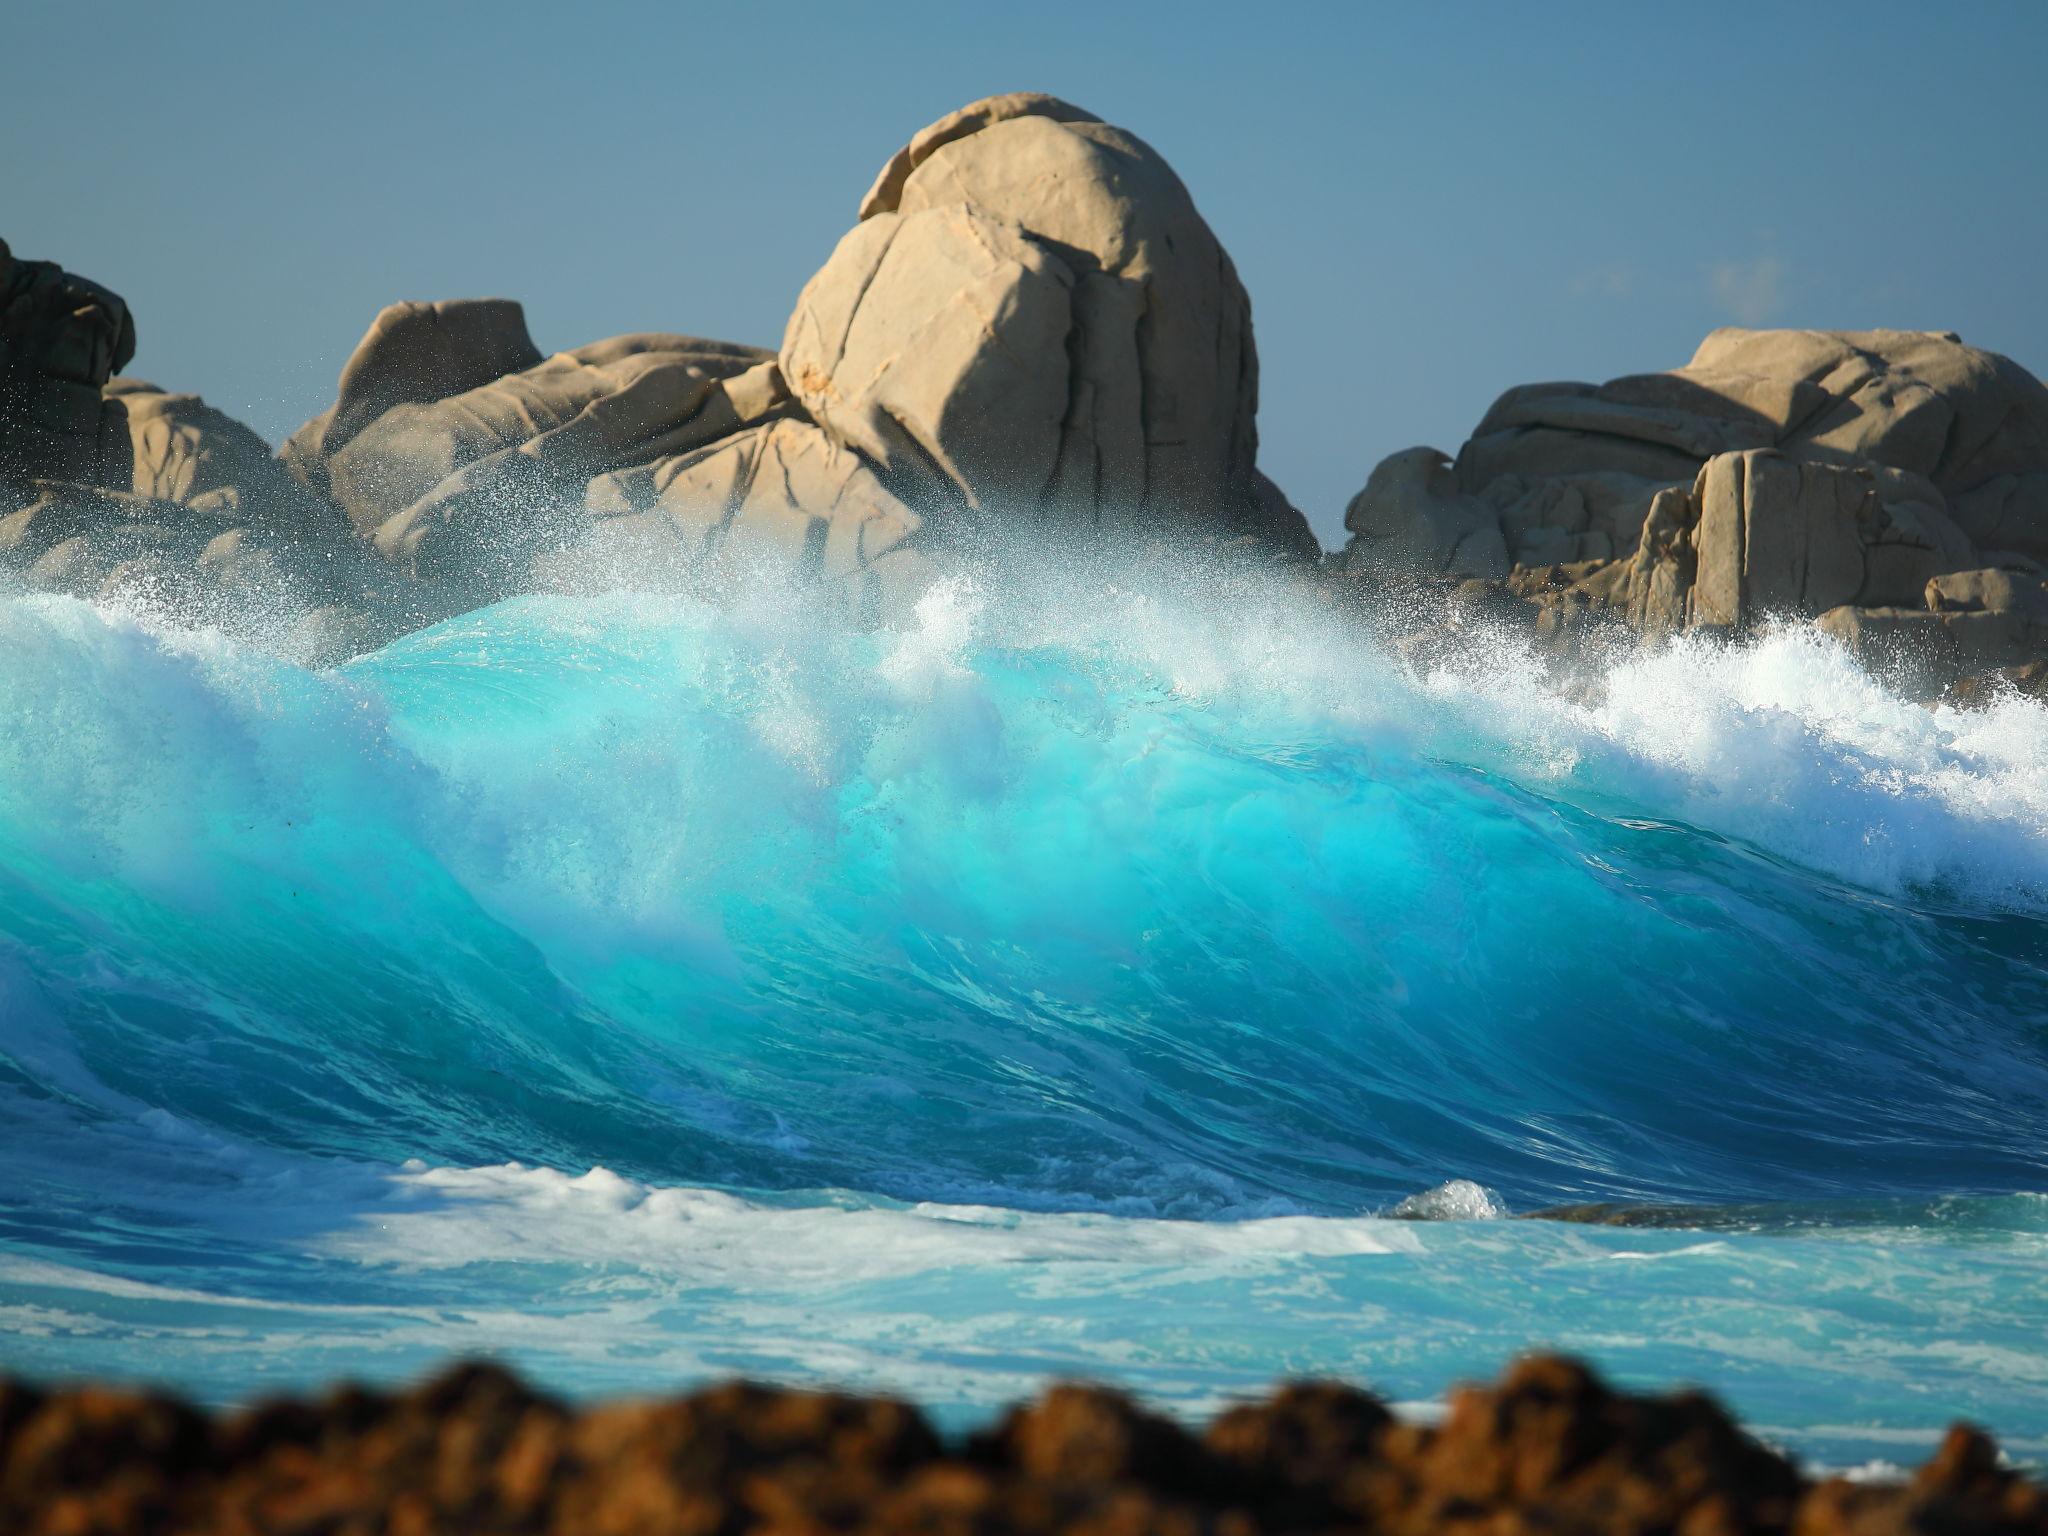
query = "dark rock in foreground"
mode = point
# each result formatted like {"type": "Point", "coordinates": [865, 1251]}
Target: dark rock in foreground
{"type": "Point", "coordinates": [1547, 1449]}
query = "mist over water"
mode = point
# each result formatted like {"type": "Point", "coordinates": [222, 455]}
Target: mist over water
{"type": "Point", "coordinates": [1065, 981]}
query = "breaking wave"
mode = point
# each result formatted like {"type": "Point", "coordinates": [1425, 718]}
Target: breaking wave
{"type": "Point", "coordinates": [1080, 926]}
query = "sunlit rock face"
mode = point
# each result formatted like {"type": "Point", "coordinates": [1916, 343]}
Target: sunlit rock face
{"type": "Point", "coordinates": [1852, 477]}
{"type": "Point", "coordinates": [1029, 326]}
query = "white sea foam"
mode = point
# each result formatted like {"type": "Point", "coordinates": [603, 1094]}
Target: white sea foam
{"type": "Point", "coordinates": [432, 1218]}
{"type": "Point", "coordinates": [1453, 1200]}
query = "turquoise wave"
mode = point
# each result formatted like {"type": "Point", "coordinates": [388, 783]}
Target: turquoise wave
{"type": "Point", "coordinates": [1137, 909]}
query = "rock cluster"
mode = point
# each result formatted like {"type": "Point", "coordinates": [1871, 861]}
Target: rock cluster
{"type": "Point", "coordinates": [1890, 485]}
{"type": "Point", "coordinates": [1550, 1448]}
{"type": "Point", "coordinates": [1030, 324]}
{"type": "Point", "coordinates": [1030, 327]}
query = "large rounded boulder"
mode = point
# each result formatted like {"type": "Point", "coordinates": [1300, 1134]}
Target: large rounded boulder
{"type": "Point", "coordinates": [1033, 323]}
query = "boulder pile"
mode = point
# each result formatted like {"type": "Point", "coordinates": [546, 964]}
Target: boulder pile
{"type": "Point", "coordinates": [1029, 325]}
{"type": "Point", "coordinates": [475, 1452]}
{"type": "Point", "coordinates": [1890, 485]}
{"type": "Point", "coordinates": [1030, 328]}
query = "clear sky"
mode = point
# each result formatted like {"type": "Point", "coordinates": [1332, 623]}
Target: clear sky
{"type": "Point", "coordinates": [1428, 202]}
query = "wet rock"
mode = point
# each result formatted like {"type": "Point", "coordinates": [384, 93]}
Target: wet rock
{"type": "Point", "coordinates": [1780, 475]}
{"type": "Point", "coordinates": [185, 451]}
{"type": "Point", "coordinates": [61, 338]}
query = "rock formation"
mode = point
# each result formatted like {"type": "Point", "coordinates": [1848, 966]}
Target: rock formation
{"type": "Point", "coordinates": [1030, 328]}
{"type": "Point", "coordinates": [61, 339]}
{"type": "Point", "coordinates": [1550, 1448]}
{"type": "Point", "coordinates": [1030, 325]}
{"type": "Point", "coordinates": [1891, 484]}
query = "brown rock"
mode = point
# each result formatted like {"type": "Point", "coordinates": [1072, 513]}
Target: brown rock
{"type": "Point", "coordinates": [1549, 1449]}
{"type": "Point", "coordinates": [784, 488]}
{"type": "Point", "coordinates": [412, 353]}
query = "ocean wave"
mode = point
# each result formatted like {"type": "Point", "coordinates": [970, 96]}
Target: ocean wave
{"type": "Point", "coordinates": [1184, 900]}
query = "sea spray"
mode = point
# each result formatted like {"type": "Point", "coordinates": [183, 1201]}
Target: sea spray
{"type": "Point", "coordinates": [1072, 933]}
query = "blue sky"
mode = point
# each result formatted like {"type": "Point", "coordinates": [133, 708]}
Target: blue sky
{"type": "Point", "coordinates": [1428, 203]}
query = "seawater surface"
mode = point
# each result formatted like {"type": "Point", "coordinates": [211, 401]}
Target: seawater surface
{"type": "Point", "coordinates": [1073, 980]}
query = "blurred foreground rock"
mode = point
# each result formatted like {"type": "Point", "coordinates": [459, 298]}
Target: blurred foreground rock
{"type": "Point", "coordinates": [1892, 485]}
{"type": "Point", "coordinates": [475, 1453]}
{"type": "Point", "coordinates": [1030, 325]}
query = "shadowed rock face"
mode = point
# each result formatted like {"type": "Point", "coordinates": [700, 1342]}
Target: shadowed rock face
{"type": "Point", "coordinates": [61, 338]}
{"type": "Point", "coordinates": [1780, 474]}
{"type": "Point", "coordinates": [474, 1452]}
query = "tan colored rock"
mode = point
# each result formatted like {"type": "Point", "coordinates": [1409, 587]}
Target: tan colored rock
{"type": "Point", "coordinates": [578, 413]}
{"type": "Point", "coordinates": [1780, 473]}
{"type": "Point", "coordinates": [934, 344]}
{"type": "Point", "coordinates": [500, 473]}
{"type": "Point", "coordinates": [785, 489]}
{"type": "Point", "coordinates": [1918, 400]}
{"type": "Point", "coordinates": [1761, 534]}
{"type": "Point", "coordinates": [887, 192]}
{"type": "Point", "coordinates": [1774, 537]}
{"type": "Point", "coordinates": [1412, 519]}
{"type": "Point", "coordinates": [2008, 512]}
{"type": "Point", "coordinates": [1033, 323]}
{"type": "Point", "coordinates": [185, 451]}
{"type": "Point", "coordinates": [1656, 590]}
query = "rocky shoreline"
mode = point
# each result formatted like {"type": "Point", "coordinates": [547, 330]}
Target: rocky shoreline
{"type": "Point", "coordinates": [1549, 1447]}
{"type": "Point", "coordinates": [1031, 334]}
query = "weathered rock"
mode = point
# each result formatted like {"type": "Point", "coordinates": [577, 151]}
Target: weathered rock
{"type": "Point", "coordinates": [1780, 474]}
{"type": "Point", "coordinates": [1763, 535]}
{"type": "Point", "coordinates": [1971, 625]}
{"type": "Point", "coordinates": [1962, 432]}
{"type": "Point", "coordinates": [1033, 323]}
{"type": "Point", "coordinates": [1411, 516]}
{"type": "Point", "coordinates": [575, 414]}
{"type": "Point", "coordinates": [61, 338]}
{"type": "Point", "coordinates": [412, 353]}
{"type": "Point", "coordinates": [185, 451]}
{"type": "Point", "coordinates": [784, 488]}
{"type": "Point", "coordinates": [93, 543]}
{"type": "Point", "coordinates": [313, 598]}
{"type": "Point", "coordinates": [462, 470]}
{"type": "Point", "coordinates": [1914, 400]}
{"type": "Point", "coordinates": [502, 472]}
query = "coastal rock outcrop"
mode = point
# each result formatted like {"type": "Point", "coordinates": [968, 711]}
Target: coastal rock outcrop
{"type": "Point", "coordinates": [113, 489]}
{"type": "Point", "coordinates": [1032, 323]}
{"type": "Point", "coordinates": [1030, 327]}
{"type": "Point", "coordinates": [1779, 474]}
{"type": "Point", "coordinates": [61, 338]}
